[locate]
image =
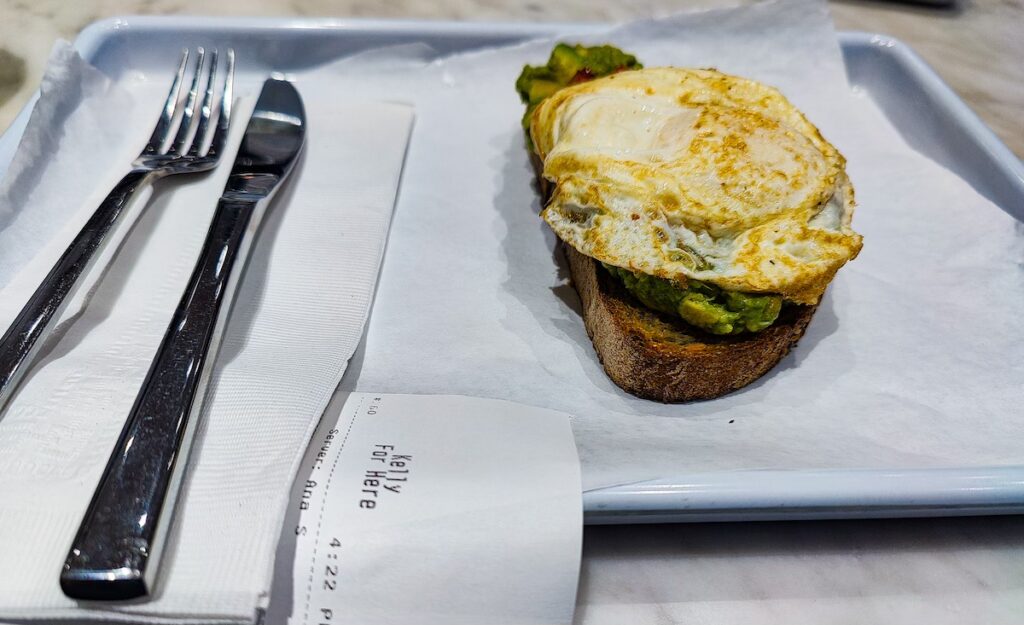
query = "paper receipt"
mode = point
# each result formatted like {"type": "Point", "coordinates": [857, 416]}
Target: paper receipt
{"type": "Point", "coordinates": [431, 509]}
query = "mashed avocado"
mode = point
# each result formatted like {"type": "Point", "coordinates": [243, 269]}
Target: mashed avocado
{"type": "Point", "coordinates": [568, 65]}
{"type": "Point", "coordinates": [702, 305]}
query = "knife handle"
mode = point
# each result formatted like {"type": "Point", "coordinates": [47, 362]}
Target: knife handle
{"type": "Point", "coordinates": [117, 550]}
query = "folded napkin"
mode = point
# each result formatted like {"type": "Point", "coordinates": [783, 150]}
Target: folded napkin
{"type": "Point", "coordinates": [297, 319]}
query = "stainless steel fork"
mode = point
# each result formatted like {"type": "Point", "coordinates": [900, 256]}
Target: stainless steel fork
{"type": "Point", "coordinates": [175, 147]}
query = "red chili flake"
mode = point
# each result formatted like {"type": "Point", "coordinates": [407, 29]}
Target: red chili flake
{"type": "Point", "coordinates": [581, 76]}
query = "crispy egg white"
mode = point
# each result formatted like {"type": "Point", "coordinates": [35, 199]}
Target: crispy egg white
{"type": "Point", "coordinates": [694, 174]}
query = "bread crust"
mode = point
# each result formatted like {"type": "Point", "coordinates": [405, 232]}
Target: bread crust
{"type": "Point", "coordinates": [659, 357]}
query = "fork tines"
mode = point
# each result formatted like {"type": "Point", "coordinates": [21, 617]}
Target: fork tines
{"type": "Point", "coordinates": [179, 131]}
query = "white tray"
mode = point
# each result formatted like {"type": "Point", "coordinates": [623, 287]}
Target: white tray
{"type": "Point", "coordinates": [923, 108]}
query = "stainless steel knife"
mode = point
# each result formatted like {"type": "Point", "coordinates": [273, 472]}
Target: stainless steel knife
{"type": "Point", "coordinates": [116, 553]}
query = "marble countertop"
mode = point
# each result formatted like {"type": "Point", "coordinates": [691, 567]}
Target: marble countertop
{"type": "Point", "coordinates": [897, 571]}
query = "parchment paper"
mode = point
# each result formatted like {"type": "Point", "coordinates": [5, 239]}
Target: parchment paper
{"type": "Point", "coordinates": [914, 357]}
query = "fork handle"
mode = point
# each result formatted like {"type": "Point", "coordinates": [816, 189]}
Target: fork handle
{"type": "Point", "coordinates": [22, 340]}
{"type": "Point", "coordinates": [117, 550]}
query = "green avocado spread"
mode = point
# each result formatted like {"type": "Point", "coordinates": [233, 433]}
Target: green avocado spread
{"type": "Point", "coordinates": [702, 305]}
{"type": "Point", "coordinates": [568, 65]}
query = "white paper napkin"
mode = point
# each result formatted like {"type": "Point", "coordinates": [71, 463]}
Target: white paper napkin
{"type": "Point", "coordinates": [297, 319]}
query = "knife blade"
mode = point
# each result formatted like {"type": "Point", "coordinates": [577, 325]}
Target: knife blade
{"type": "Point", "coordinates": [116, 552]}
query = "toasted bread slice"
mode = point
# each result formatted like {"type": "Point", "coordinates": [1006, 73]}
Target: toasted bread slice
{"type": "Point", "coordinates": [655, 356]}
{"type": "Point", "coordinates": [658, 357]}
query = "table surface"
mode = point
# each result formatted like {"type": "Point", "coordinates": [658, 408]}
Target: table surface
{"type": "Point", "coordinates": [898, 571]}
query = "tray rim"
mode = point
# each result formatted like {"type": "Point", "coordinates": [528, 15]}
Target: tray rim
{"type": "Point", "coordinates": [711, 496]}
{"type": "Point", "coordinates": [941, 94]}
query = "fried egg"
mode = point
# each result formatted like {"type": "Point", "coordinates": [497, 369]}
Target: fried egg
{"type": "Point", "coordinates": [694, 174]}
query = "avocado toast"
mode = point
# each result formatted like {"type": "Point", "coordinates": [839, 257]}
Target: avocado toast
{"type": "Point", "coordinates": [696, 269]}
